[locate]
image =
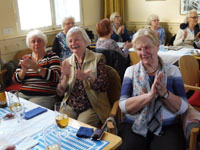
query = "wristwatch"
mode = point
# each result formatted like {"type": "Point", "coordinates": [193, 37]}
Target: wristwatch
{"type": "Point", "coordinates": [88, 78]}
{"type": "Point", "coordinates": [166, 95]}
{"type": "Point", "coordinates": [39, 70]}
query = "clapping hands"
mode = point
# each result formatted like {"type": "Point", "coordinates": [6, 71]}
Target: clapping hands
{"type": "Point", "coordinates": [158, 87]}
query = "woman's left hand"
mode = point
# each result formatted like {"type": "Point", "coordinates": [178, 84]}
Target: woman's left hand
{"type": "Point", "coordinates": [160, 84]}
{"type": "Point", "coordinates": [82, 75]}
{"type": "Point", "coordinates": [197, 36]}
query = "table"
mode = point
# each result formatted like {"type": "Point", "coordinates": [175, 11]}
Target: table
{"type": "Point", "coordinates": [12, 132]}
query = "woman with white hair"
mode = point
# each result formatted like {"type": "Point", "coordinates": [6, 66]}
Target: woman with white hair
{"type": "Point", "coordinates": [38, 72]}
{"type": "Point", "coordinates": [60, 46]}
{"type": "Point", "coordinates": [120, 33]}
{"type": "Point", "coordinates": [152, 99]}
{"type": "Point", "coordinates": [153, 22]}
{"type": "Point", "coordinates": [188, 34]}
{"type": "Point", "coordinates": [84, 81]}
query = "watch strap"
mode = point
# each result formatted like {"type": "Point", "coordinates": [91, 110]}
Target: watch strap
{"type": "Point", "coordinates": [166, 95]}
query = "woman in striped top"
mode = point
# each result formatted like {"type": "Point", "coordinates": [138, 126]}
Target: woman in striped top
{"type": "Point", "coordinates": [38, 72]}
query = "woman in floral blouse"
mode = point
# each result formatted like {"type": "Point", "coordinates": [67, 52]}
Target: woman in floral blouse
{"type": "Point", "coordinates": [83, 81]}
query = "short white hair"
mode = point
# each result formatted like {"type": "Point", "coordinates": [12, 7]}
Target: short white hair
{"type": "Point", "coordinates": [36, 33]}
{"type": "Point", "coordinates": [188, 15]}
{"type": "Point", "coordinates": [113, 15]}
{"type": "Point", "coordinates": [151, 18]}
{"type": "Point", "coordinates": [66, 18]}
{"type": "Point", "coordinates": [81, 31]}
{"type": "Point", "coordinates": [145, 32]}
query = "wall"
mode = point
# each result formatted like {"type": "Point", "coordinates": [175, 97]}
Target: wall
{"type": "Point", "coordinates": [137, 12]}
{"type": "Point", "coordinates": [11, 41]}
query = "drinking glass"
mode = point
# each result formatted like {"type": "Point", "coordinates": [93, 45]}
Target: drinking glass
{"type": "Point", "coordinates": [13, 99]}
{"type": "Point", "coordinates": [51, 139]}
{"type": "Point", "coordinates": [19, 112]}
{"type": "Point", "coordinates": [60, 116]}
{"type": "Point", "coordinates": [15, 105]}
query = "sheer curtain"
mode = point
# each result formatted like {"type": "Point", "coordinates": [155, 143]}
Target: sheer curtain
{"type": "Point", "coordinates": [111, 6]}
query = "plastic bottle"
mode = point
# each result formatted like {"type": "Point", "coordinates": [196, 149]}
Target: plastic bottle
{"type": "Point", "coordinates": [3, 101]}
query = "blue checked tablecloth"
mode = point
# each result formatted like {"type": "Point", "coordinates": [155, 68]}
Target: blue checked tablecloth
{"type": "Point", "coordinates": [69, 142]}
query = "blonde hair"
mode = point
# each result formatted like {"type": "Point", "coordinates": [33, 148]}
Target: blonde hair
{"type": "Point", "coordinates": [38, 34]}
{"type": "Point", "coordinates": [113, 15]}
{"type": "Point", "coordinates": [145, 32]}
{"type": "Point", "coordinates": [151, 18]}
{"type": "Point", "coordinates": [81, 31]}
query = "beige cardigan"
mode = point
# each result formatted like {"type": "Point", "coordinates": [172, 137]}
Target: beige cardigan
{"type": "Point", "coordinates": [99, 100]}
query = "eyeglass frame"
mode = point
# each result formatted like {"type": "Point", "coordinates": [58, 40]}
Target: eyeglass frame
{"type": "Point", "coordinates": [118, 17]}
{"type": "Point", "coordinates": [194, 17]}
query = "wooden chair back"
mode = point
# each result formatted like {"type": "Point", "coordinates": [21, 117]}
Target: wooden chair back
{"type": "Point", "coordinates": [134, 57]}
{"type": "Point", "coordinates": [114, 88]}
{"type": "Point", "coordinates": [189, 68]}
{"type": "Point", "coordinates": [21, 53]}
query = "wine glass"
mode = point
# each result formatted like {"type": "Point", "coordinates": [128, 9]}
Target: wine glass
{"type": "Point", "coordinates": [19, 112]}
{"type": "Point", "coordinates": [60, 116]}
{"type": "Point", "coordinates": [51, 139]}
{"type": "Point", "coordinates": [15, 105]}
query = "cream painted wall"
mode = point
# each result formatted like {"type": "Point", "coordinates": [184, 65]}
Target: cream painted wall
{"type": "Point", "coordinates": [10, 44]}
{"type": "Point", "coordinates": [139, 10]}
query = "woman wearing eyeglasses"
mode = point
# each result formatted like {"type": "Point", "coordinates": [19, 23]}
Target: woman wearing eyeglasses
{"type": "Point", "coordinates": [120, 33]}
{"type": "Point", "coordinates": [188, 34]}
{"type": "Point", "coordinates": [153, 22]}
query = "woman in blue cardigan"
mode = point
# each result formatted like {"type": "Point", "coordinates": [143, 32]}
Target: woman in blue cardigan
{"type": "Point", "coordinates": [120, 33]}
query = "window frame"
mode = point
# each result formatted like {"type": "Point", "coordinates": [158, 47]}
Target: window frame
{"type": "Point", "coordinates": [47, 28]}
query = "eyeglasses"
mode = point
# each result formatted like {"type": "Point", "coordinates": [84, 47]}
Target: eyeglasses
{"type": "Point", "coordinates": [118, 17]}
{"type": "Point", "coordinates": [195, 17]}
{"type": "Point", "coordinates": [156, 20]}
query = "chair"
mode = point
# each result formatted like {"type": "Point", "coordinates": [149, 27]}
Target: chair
{"type": "Point", "coordinates": [8, 70]}
{"type": "Point", "coordinates": [115, 60]}
{"type": "Point", "coordinates": [189, 68]}
{"type": "Point", "coordinates": [117, 115]}
{"type": "Point", "coordinates": [113, 92]}
{"type": "Point", "coordinates": [134, 57]}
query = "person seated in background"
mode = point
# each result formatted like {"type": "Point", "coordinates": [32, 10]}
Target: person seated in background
{"type": "Point", "coordinates": [153, 22]}
{"type": "Point", "coordinates": [60, 46]}
{"type": "Point", "coordinates": [84, 81]}
{"type": "Point", "coordinates": [38, 72]}
{"type": "Point", "coordinates": [188, 34]}
{"type": "Point", "coordinates": [120, 33]}
{"type": "Point", "coordinates": [152, 99]}
{"type": "Point", "coordinates": [104, 31]}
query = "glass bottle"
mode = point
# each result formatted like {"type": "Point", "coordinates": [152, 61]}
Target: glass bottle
{"type": "Point", "coordinates": [3, 102]}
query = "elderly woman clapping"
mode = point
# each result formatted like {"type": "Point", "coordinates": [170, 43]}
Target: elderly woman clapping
{"type": "Point", "coordinates": [38, 72]}
{"type": "Point", "coordinates": [120, 33]}
{"type": "Point", "coordinates": [152, 98]}
{"type": "Point", "coordinates": [188, 34]}
{"type": "Point", "coordinates": [84, 81]}
{"type": "Point", "coordinates": [153, 22]}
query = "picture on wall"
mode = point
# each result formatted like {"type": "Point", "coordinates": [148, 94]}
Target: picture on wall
{"type": "Point", "coordinates": [187, 5]}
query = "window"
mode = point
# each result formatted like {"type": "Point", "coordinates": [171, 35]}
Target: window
{"type": "Point", "coordinates": [46, 14]}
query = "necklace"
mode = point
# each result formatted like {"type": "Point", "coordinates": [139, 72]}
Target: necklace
{"type": "Point", "coordinates": [153, 70]}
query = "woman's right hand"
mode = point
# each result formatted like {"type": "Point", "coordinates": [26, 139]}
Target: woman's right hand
{"type": "Point", "coordinates": [26, 63]}
{"type": "Point", "coordinates": [120, 29]}
{"type": "Point", "coordinates": [185, 34]}
{"type": "Point", "coordinates": [66, 68]}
